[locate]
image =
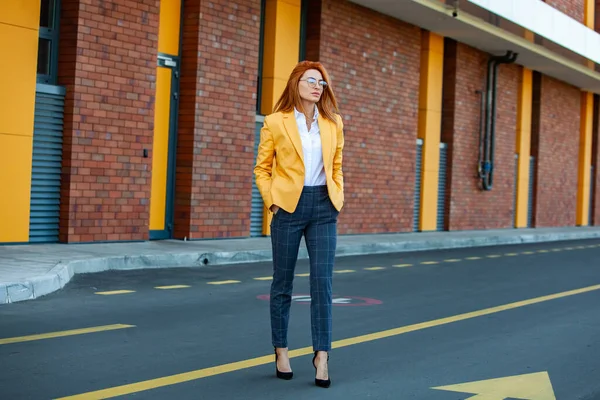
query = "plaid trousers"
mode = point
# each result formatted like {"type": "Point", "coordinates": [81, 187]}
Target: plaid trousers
{"type": "Point", "coordinates": [315, 217]}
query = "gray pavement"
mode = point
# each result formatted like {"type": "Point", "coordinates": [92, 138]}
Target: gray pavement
{"type": "Point", "coordinates": [445, 318]}
{"type": "Point", "coordinates": [30, 271]}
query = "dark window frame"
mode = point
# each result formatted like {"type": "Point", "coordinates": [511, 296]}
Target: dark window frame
{"type": "Point", "coordinates": [52, 35]}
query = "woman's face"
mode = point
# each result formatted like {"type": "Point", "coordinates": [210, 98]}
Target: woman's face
{"type": "Point", "coordinates": [311, 86]}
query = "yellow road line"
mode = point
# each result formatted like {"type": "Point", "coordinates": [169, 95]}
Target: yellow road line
{"type": "Point", "coordinates": [110, 293]}
{"type": "Point", "coordinates": [543, 251]}
{"type": "Point", "coordinates": [473, 258]}
{"type": "Point", "coordinates": [172, 287]}
{"type": "Point", "coordinates": [374, 268]}
{"type": "Point", "coordinates": [511, 254]}
{"type": "Point", "coordinates": [528, 252]}
{"type": "Point", "coordinates": [494, 256]}
{"type": "Point", "coordinates": [305, 274]}
{"type": "Point", "coordinates": [453, 260]}
{"type": "Point", "coordinates": [72, 332]}
{"type": "Point", "coordinates": [344, 271]}
{"type": "Point", "coordinates": [222, 282]}
{"type": "Point", "coordinates": [430, 262]}
{"type": "Point", "coordinates": [253, 362]}
{"type": "Point", "coordinates": [402, 265]}
{"type": "Point", "coordinates": [264, 278]}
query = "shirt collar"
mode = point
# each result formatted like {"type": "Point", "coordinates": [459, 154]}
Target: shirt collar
{"type": "Point", "coordinates": [297, 113]}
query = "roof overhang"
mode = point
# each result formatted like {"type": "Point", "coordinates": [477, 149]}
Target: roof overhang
{"type": "Point", "coordinates": [447, 21]}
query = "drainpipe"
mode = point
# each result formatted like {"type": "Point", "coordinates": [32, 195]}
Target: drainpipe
{"type": "Point", "coordinates": [486, 165]}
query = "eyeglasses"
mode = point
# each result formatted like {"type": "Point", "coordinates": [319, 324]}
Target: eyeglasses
{"type": "Point", "coordinates": [312, 82]}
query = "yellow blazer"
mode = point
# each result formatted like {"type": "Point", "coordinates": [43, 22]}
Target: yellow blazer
{"type": "Point", "coordinates": [279, 166]}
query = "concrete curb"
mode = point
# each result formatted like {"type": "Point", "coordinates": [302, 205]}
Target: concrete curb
{"type": "Point", "coordinates": [62, 273]}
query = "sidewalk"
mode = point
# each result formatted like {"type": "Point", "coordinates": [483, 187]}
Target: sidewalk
{"type": "Point", "coordinates": [31, 271]}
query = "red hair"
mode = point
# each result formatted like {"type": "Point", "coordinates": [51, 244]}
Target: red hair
{"type": "Point", "coordinates": [290, 97]}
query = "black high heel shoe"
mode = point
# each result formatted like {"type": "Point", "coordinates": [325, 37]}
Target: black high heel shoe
{"type": "Point", "coordinates": [321, 382]}
{"type": "Point", "coordinates": [282, 375]}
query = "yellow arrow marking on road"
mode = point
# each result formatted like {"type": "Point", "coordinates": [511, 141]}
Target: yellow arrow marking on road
{"type": "Point", "coordinates": [535, 386]}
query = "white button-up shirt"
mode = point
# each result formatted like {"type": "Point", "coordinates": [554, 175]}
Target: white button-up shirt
{"type": "Point", "coordinates": [312, 149]}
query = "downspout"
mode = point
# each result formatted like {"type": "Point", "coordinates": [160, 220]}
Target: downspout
{"type": "Point", "coordinates": [486, 165]}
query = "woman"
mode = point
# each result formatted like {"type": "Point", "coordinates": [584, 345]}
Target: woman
{"type": "Point", "coordinates": [299, 175]}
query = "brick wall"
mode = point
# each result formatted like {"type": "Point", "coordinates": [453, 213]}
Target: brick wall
{"type": "Point", "coordinates": [573, 8]}
{"type": "Point", "coordinates": [468, 206]}
{"type": "Point", "coordinates": [215, 156]}
{"type": "Point", "coordinates": [374, 64]}
{"type": "Point", "coordinates": [107, 64]}
{"type": "Point", "coordinates": [555, 144]}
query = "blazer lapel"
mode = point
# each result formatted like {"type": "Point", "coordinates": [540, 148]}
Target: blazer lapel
{"type": "Point", "coordinates": [289, 122]}
{"type": "Point", "coordinates": [326, 139]}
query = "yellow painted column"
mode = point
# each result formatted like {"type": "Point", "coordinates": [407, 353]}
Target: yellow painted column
{"type": "Point", "coordinates": [524, 109]}
{"type": "Point", "coordinates": [168, 43]}
{"type": "Point", "coordinates": [19, 32]}
{"type": "Point", "coordinates": [585, 158]}
{"type": "Point", "coordinates": [430, 125]}
{"type": "Point", "coordinates": [281, 49]}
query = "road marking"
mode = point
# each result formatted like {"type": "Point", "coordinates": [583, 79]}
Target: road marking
{"type": "Point", "coordinates": [402, 265]}
{"type": "Point", "coordinates": [536, 386]}
{"type": "Point", "coordinates": [264, 278]}
{"type": "Point", "coordinates": [528, 252]}
{"type": "Point", "coordinates": [374, 268]}
{"type": "Point", "coordinates": [306, 274]}
{"type": "Point", "coordinates": [110, 293]}
{"type": "Point", "coordinates": [494, 256]}
{"type": "Point", "coordinates": [430, 262]}
{"type": "Point", "coordinates": [453, 260]}
{"type": "Point", "coordinates": [511, 254]}
{"type": "Point", "coordinates": [344, 271]}
{"type": "Point", "coordinates": [222, 282]}
{"type": "Point", "coordinates": [543, 251]}
{"type": "Point", "coordinates": [473, 258]}
{"type": "Point", "coordinates": [569, 248]}
{"type": "Point", "coordinates": [555, 250]}
{"type": "Point", "coordinates": [172, 287]}
{"type": "Point", "coordinates": [71, 332]}
{"type": "Point", "coordinates": [253, 362]}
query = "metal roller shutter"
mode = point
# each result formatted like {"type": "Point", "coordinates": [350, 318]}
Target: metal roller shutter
{"type": "Point", "coordinates": [46, 164]}
{"type": "Point", "coordinates": [591, 214]}
{"type": "Point", "coordinates": [530, 201]}
{"type": "Point", "coordinates": [418, 172]}
{"type": "Point", "coordinates": [256, 213]}
{"type": "Point", "coordinates": [441, 214]}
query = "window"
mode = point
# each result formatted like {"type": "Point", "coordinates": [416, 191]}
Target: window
{"type": "Point", "coordinates": [47, 64]}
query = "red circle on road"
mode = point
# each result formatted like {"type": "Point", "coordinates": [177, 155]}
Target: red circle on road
{"type": "Point", "coordinates": [338, 301]}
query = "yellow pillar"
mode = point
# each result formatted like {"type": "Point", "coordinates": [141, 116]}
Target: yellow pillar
{"type": "Point", "coordinates": [19, 31]}
{"type": "Point", "coordinates": [524, 108]}
{"type": "Point", "coordinates": [168, 43]}
{"type": "Point", "coordinates": [281, 49]}
{"type": "Point", "coordinates": [585, 158]}
{"type": "Point", "coordinates": [430, 125]}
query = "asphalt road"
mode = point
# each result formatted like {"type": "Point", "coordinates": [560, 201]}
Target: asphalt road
{"type": "Point", "coordinates": [511, 322]}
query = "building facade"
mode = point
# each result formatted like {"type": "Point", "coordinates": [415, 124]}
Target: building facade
{"type": "Point", "coordinates": [129, 120]}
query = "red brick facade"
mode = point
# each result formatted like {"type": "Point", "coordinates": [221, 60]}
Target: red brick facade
{"type": "Point", "coordinates": [468, 206]}
{"type": "Point", "coordinates": [107, 64]}
{"type": "Point", "coordinates": [555, 145]}
{"type": "Point", "coordinates": [374, 63]}
{"type": "Point", "coordinates": [215, 156]}
{"type": "Point", "coordinates": [573, 8]}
